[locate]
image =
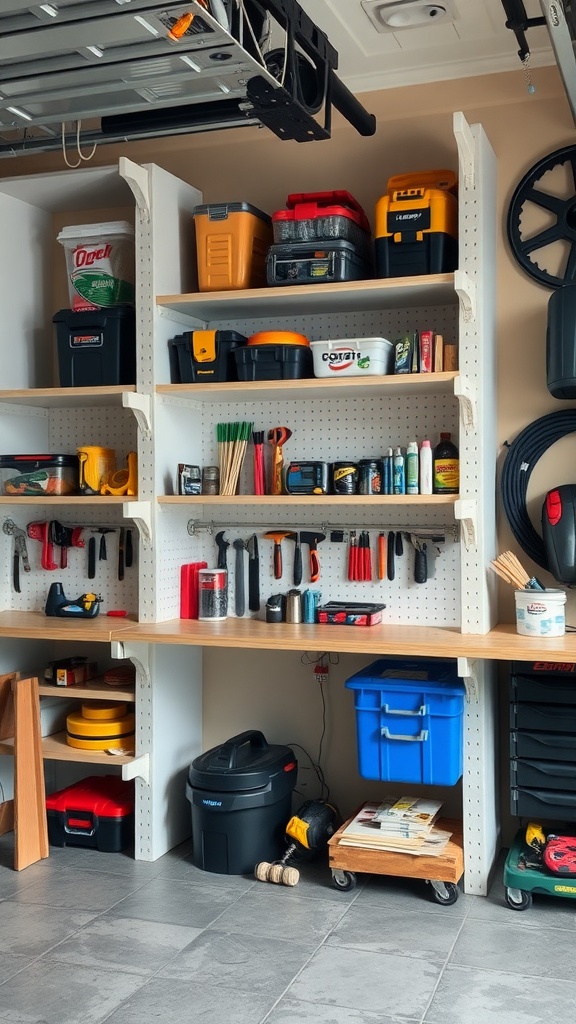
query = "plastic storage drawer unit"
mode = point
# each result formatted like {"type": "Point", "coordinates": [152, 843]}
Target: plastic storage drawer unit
{"type": "Point", "coordinates": [409, 721]}
{"type": "Point", "coordinates": [204, 357]}
{"type": "Point", "coordinates": [232, 240]}
{"type": "Point", "coordinates": [96, 348]}
{"type": "Point", "coordinates": [97, 812]}
{"type": "Point", "coordinates": [241, 798]}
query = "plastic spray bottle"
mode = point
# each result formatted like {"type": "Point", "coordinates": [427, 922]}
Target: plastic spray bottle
{"type": "Point", "coordinates": [412, 468]}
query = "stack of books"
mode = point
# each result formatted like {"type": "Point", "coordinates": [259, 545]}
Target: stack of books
{"type": "Point", "coordinates": [399, 825]}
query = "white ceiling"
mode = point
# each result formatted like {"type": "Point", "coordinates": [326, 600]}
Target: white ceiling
{"type": "Point", "coordinates": [477, 42]}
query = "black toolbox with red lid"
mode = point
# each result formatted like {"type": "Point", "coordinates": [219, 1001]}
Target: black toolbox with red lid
{"type": "Point", "coordinates": [323, 217]}
{"type": "Point", "coordinates": [97, 812]}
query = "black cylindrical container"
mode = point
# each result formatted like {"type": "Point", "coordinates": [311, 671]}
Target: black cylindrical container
{"type": "Point", "coordinates": [241, 797]}
{"type": "Point", "coordinates": [345, 477]}
{"type": "Point", "coordinates": [370, 476]}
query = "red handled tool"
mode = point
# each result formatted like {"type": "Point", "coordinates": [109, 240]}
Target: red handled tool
{"type": "Point", "coordinates": [259, 484]}
{"type": "Point", "coordinates": [41, 532]}
{"type": "Point", "coordinates": [313, 540]}
{"type": "Point", "coordinates": [278, 537]}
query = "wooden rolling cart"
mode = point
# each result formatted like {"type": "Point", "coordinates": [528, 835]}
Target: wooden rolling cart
{"type": "Point", "coordinates": [442, 873]}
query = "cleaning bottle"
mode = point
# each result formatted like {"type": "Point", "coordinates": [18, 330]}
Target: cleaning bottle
{"type": "Point", "coordinates": [412, 468]}
{"type": "Point", "coordinates": [426, 467]}
{"type": "Point", "coordinates": [399, 473]}
{"type": "Point", "coordinates": [446, 467]}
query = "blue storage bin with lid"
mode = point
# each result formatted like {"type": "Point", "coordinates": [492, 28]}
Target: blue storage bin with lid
{"type": "Point", "coordinates": [409, 721]}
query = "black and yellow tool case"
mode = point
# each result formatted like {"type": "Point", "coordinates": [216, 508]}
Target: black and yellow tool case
{"type": "Point", "coordinates": [417, 225]}
{"type": "Point", "coordinates": [204, 357]}
{"type": "Point", "coordinates": [97, 812]}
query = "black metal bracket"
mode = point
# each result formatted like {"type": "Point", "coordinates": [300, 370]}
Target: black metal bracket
{"type": "Point", "coordinates": [518, 22]}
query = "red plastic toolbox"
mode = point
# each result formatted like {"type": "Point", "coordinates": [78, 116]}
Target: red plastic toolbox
{"type": "Point", "coordinates": [97, 812]}
{"type": "Point", "coordinates": [321, 217]}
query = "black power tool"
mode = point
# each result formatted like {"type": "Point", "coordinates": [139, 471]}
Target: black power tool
{"type": "Point", "coordinates": [559, 533]}
{"type": "Point", "coordinates": [307, 833]}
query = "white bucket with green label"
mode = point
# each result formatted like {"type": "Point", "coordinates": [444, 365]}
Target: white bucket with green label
{"type": "Point", "coordinates": [540, 613]}
{"type": "Point", "coordinates": [100, 263]}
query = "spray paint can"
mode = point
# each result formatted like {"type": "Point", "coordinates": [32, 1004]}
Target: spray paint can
{"type": "Point", "coordinates": [412, 468]}
{"type": "Point", "coordinates": [399, 473]}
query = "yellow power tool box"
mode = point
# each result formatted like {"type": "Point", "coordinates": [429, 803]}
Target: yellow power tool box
{"type": "Point", "coordinates": [417, 225]}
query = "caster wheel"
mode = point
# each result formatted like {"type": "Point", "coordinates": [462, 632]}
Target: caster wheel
{"type": "Point", "coordinates": [518, 899]}
{"type": "Point", "coordinates": [343, 880]}
{"type": "Point", "coordinates": [445, 893]}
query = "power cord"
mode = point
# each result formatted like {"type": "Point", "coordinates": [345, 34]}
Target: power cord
{"type": "Point", "coordinates": [522, 456]}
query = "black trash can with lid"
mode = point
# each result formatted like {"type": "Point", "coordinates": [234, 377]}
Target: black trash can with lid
{"type": "Point", "coordinates": [241, 799]}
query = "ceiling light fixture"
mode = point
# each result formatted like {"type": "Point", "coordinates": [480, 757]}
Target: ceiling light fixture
{"type": "Point", "coordinates": [401, 14]}
{"type": "Point", "coordinates": [50, 10]}
{"type": "Point", "coordinates": [146, 24]}
{"type": "Point", "coordinates": [19, 113]}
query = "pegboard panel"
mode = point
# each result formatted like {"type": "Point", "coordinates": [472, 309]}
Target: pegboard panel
{"type": "Point", "coordinates": [115, 593]}
{"type": "Point", "coordinates": [110, 427]}
{"type": "Point", "coordinates": [436, 602]}
{"type": "Point", "coordinates": [386, 323]}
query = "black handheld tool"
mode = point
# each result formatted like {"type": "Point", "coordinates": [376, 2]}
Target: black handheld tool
{"type": "Point", "coordinates": [86, 606]}
{"type": "Point", "coordinates": [129, 556]}
{"type": "Point", "coordinates": [121, 550]}
{"type": "Point", "coordinates": [390, 549]}
{"type": "Point", "coordinates": [222, 546]}
{"type": "Point", "coordinates": [91, 558]}
{"type": "Point", "coordinates": [313, 540]}
{"type": "Point", "coordinates": [239, 598]}
{"type": "Point", "coordinates": [253, 574]}
{"type": "Point", "coordinates": [297, 568]}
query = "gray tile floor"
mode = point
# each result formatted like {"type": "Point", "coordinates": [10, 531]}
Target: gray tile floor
{"type": "Point", "coordinates": [87, 937]}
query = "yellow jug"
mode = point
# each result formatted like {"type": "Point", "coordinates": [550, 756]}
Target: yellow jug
{"type": "Point", "coordinates": [96, 465]}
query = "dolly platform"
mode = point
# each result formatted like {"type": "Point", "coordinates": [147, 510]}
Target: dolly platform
{"type": "Point", "coordinates": [443, 873]}
{"type": "Point", "coordinates": [521, 882]}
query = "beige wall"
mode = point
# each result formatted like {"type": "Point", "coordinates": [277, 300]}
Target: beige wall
{"type": "Point", "coordinates": [274, 691]}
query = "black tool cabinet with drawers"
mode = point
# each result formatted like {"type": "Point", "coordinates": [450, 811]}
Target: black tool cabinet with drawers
{"type": "Point", "coordinates": [543, 740]}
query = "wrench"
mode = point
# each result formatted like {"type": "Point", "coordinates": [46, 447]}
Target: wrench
{"type": "Point", "coordinates": [20, 552]}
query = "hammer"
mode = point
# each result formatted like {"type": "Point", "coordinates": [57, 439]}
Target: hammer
{"type": "Point", "coordinates": [277, 437]}
{"type": "Point", "coordinates": [278, 537]}
{"type": "Point", "coordinates": [313, 540]}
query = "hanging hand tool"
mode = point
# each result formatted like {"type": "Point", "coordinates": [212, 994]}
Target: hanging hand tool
{"type": "Point", "coordinates": [222, 546]}
{"type": "Point", "coordinates": [313, 540]}
{"type": "Point", "coordinates": [418, 541]}
{"type": "Point", "coordinates": [258, 441]}
{"type": "Point", "coordinates": [91, 558]}
{"type": "Point", "coordinates": [277, 437]}
{"type": "Point", "coordinates": [398, 545]}
{"type": "Point", "coordinates": [253, 574]}
{"type": "Point", "coordinates": [20, 551]}
{"type": "Point", "coordinates": [41, 532]}
{"type": "Point", "coordinates": [65, 537]}
{"type": "Point", "coordinates": [390, 568]}
{"type": "Point", "coordinates": [278, 536]}
{"type": "Point", "coordinates": [381, 556]}
{"type": "Point", "coordinates": [121, 550]}
{"type": "Point", "coordinates": [352, 556]}
{"type": "Point", "coordinates": [129, 549]}
{"type": "Point", "coordinates": [239, 599]}
{"type": "Point", "coordinates": [102, 551]}
{"type": "Point", "coordinates": [297, 567]}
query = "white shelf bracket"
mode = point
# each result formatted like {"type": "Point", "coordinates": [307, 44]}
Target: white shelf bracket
{"type": "Point", "coordinates": [467, 398]}
{"type": "Point", "coordinates": [140, 405]}
{"type": "Point", "coordinates": [141, 513]}
{"type": "Point", "coordinates": [192, 323]}
{"type": "Point", "coordinates": [466, 148]}
{"type": "Point", "coordinates": [466, 291]}
{"type": "Point", "coordinates": [139, 768]}
{"type": "Point", "coordinates": [137, 178]}
{"type": "Point", "coordinates": [139, 655]}
{"type": "Point", "coordinates": [468, 674]}
{"type": "Point", "coordinates": [466, 512]}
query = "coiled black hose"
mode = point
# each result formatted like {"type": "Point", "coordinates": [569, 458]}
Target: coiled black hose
{"type": "Point", "coordinates": [522, 456]}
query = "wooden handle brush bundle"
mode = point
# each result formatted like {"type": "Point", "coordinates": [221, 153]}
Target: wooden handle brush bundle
{"type": "Point", "coordinates": [510, 569]}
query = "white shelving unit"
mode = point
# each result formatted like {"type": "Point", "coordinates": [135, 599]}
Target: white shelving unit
{"type": "Point", "coordinates": [168, 424]}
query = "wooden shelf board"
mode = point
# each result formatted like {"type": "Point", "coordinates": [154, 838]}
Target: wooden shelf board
{"type": "Point", "coordinates": [287, 500]}
{"type": "Point", "coordinates": [66, 398]}
{"type": "Point", "coordinates": [55, 748]}
{"type": "Point", "coordinates": [38, 626]}
{"type": "Point", "coordinates": [87, 691]}
{"type": "Point", "coordinates": [317, 388]}
{"type": "Point", "coordinates": [89, 500]}
{"type": "Point", "coordinates": [251, 303]}
{"type": "Point", "coordinates": [448, 867]}
{"type": "Point", "coordinates": [502, 643]}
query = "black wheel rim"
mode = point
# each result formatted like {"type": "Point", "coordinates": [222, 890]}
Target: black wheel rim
{"type": "Point", "coordinates": [562, 230]}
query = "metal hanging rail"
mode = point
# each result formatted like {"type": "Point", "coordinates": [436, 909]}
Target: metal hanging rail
{"type": "Point", "coordinates": [196, 526]}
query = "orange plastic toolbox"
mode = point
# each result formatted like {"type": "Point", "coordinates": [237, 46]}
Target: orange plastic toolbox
{"type": "Point", "coordinates": [232, 241]}
{"type": "Point", "coordinates": [417, 225]}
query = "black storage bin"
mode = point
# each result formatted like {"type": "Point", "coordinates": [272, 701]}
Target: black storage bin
{"type": "Point", "coordinates": [305, 263]}
{"type": "Point", "coordinates": [543, 774]}
{"type": "Point", "coordinates": [551, 745]}
{"type": "Point", "coordinates": [549, 718]}
{"type": "Point", "coordinates": [200, 357]}
{"type": "Point", "coordinates": [553, 688]}
{"type": "Point", "coordinates": [273, 362]}
{"type": "Point", "coordinates": [241, 799]}
{"type": "Point", "coordinates": [96, 347]}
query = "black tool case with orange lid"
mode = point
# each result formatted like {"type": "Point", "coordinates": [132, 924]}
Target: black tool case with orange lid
{"type": "Point", "coordinates": [97, 812]}
{"type": "Point", "coordinates": [417, 225]}
{"type": "Point", "coordinates": [204, 357]}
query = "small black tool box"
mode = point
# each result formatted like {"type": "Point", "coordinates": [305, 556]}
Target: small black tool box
{"type": "Point", "coordinates": [96, 347]}
{"type": "Point", "coordinates": [203, 357]}
{"type": "Point", "coordinates": [97, 812]}
{"type": "Point", "coordinates": [315, 263]}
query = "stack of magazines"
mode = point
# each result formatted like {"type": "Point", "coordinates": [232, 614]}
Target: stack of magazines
{"type": "Point", "coordinates": [399, 825]}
